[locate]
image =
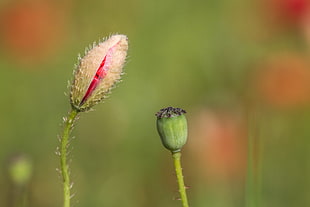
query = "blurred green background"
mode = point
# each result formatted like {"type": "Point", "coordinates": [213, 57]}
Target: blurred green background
{"type": "Point", "coordinates": [225, 62]}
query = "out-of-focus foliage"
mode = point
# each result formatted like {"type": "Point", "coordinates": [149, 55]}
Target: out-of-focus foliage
{"type": "Point", "coordinates": [220, 60]}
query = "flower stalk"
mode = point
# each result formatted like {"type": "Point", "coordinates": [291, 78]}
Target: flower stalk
{"type": "Point", "coordinates": [68, 125]}
{"type": "Point", "coordinates": [95, 75]}
{"type": "Point", "coordinates": [253, 175]}
{"type": "Point", "coordinates": [20, 172]}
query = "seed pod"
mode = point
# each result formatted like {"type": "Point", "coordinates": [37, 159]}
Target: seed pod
{"type": "Point", "coordinates": [172, 128]}
{"type": "Point", "coordinates": [97, 72]}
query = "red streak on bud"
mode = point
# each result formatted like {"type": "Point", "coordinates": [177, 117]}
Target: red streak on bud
{"type": "Point", "coordinates": [100, 74]}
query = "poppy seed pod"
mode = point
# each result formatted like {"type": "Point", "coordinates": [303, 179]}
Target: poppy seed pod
{"type": "Point", "coordinates": [172, 128]}
{"type": "Point", "coordinates": [97, 72]}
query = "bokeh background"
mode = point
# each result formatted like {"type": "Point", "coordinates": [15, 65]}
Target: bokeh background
{"type": "Point", "coordinates": [240, 68]}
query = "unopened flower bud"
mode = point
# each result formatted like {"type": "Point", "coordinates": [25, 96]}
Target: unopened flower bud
{"type": "Point", "coordinates": [97, 72]}
{"type": "Point", "coordinates": [20, 169]}
{"type": "Point", "coordinates": [172, 128]}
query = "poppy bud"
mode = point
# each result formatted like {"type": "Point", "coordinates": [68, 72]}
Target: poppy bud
{"type": "Point", "coordinates": [172, 128]}
{"type": "Point", "coordinates": [97, 72]}
{"type": "Point", "coordinates": [20, 169]}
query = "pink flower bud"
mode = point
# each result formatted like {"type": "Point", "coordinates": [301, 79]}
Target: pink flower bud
{"type": "Point", "coordinates": [97, 72]}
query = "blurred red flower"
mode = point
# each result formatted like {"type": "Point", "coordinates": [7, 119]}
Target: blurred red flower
{"type": "Point", "coordinates": [218, 143]}
{"type": "Point", "coordinates": [306, 28]}
{"type": "Point", "coordinates": [284, 81]}
{"type": "Point", "coordinates": [293, 9]}
{"type": "Point", "coordinates": [283, 15]}
{"type": "Point", "coordinates": [31, 30]}
{"type": "Point", "coordinates": [286, 11]}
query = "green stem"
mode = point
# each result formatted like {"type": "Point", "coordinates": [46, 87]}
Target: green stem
{"type": "Point", "coordinates": [250, 181]}
{"type": "Point", "coordinates": [24, 198]}
{"type": "Point", "coordinates": [253, 178]}
{"type": "Point", "coordinates": [178, 169]}
{"type": "Point", "coordinates": [68, 125]}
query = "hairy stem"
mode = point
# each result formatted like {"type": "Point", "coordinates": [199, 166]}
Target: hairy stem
{"type": "Point", "coordinates": [178, 169]}
{"type": "Point", "coordinates": [68, 125]}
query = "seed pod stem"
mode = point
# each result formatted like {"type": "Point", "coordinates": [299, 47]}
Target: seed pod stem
{"type": "Point", "coordinates": [178, 170]}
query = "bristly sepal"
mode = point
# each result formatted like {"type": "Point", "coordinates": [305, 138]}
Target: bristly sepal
{"type": "Point", "coordinates": [98, 72]}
